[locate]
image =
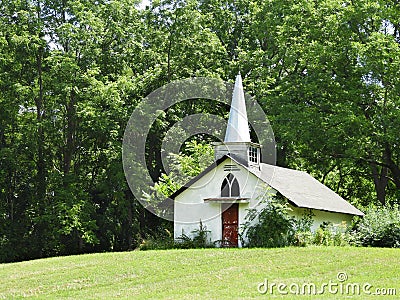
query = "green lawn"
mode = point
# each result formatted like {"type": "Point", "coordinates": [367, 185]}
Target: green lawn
{"type": "Point", "coordinates": [202, 274]}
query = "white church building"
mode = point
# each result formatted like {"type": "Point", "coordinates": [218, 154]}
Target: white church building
{"type": "Point", "coordinates": [221, 195]}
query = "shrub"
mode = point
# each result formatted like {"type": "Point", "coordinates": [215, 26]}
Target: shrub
{"type": "Point", "coordinates": [323, 237]}
{"type": "Point", "coordinates": [158, 241]}
{"type": "Point", "coordinates": [199, 239]}
{"type": "Point", "coordinates": [164, 241]}
{"type": "Point", "coordinates": [302, 235]}
{"type": "Point", "coordinates": [271, 227]}
{"type": "Point", "coordinates": [302, 238]}
{"type": "Point", "coordinates": [329, 234]}
{"type": "Point", "coordinates": [380, 227]}
{"type": "Point", "coordinates": [341, 239]}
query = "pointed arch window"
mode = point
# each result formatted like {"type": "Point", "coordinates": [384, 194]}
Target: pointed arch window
{"type": "Point", "coordinates": [230, 186]}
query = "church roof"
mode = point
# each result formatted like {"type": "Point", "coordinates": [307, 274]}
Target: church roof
{"type": "Point", "coordinates": [303, 190]}
{"type": "Point", "coordinates": [300, 188]}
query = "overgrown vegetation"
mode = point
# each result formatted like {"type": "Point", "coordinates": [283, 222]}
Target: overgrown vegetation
{"type": "Point", "coordinates": [270, 227]}
{"type": "Point", "coordinates": [183, 166]}
{"type": "Point", "coordinates": [380, 227]}
{"type": "Point", "coordinates": [274, 227]}
{"type": "Point", "coordinates": [329, 234]}
{"type": "Point", "coordinates": [199, 238]}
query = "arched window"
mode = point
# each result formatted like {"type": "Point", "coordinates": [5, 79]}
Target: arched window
{"type": "Point", "coordinates": [230, 187]}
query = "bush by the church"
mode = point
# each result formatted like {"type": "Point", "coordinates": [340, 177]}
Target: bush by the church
{"type": "Point", "coordinates": [270, 227]}
{"type": "Point", "coordinates": [274, 227]}
{"type": "Point", "coordinates": [165, 240]}
{"type": "Point", "coordinates": [380, 227]}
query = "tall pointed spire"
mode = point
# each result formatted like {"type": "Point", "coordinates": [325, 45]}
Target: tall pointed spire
{"type": "Point", "coordinates": [238, 128]}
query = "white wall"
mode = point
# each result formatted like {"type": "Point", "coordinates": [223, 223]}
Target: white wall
{"type": "Point", "coordinates": [323, 216]}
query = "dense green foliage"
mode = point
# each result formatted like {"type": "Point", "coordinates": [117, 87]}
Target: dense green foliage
{"type": "Point", "coordinates": [199, 238]}
{"type": "Point", "coordinates": [184, 166]}
{"type": "Point", "coordinates": [72, 71]}
{"type": "Point", "coordinates": [379, 228]}
{"type": "Point", "coordinates": [273, 226]}
{"type": "Point", "coordinates": [270, 227]}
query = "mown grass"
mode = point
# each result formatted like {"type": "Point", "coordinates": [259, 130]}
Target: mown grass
{"type": "Point", "coordinates": [199, 274]}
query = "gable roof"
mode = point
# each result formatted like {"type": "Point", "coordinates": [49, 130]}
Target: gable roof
{"type": "Point", "coordinates": [304, 190]}
{"type": "Point", "coordinates": [196, 178]}
{"type": "Point", "coordinates": [300, 188]}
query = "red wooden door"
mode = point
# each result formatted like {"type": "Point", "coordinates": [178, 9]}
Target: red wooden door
{"type": "Point", "coordinates": [230, 213]}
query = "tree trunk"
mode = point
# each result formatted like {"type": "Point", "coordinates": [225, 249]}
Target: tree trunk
{"type": "Point", "coordinates": [380, 181]}
{"type": "Point", "coordinates": [394, 168]}
{"type": "Point", "coordinates": [130, 226]}
{"type": "Point", "coordinates": [41, 165]}
{"type": "Point", "coordinates": [70, 133]}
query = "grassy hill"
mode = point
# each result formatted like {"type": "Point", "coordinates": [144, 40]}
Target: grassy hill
{"type": "Point", "coordinates": [206, 274]}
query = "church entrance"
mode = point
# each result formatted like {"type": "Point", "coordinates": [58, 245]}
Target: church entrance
{"type": "Point", "coordinates": [230, 214]}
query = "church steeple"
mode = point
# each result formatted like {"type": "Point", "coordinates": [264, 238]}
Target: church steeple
{"type": "Point", "coordinates": [238, 128]}
{"type": "Point", "coordinates": [237, 142]}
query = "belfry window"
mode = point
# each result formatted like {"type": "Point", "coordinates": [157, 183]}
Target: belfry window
{"type": "Point", "coordinates": [253, 154]}
{"type": "Point", "coordinates": [230, 186]}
